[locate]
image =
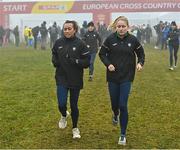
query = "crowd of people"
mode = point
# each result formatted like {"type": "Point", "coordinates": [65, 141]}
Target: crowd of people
{"type": "Point", "coordinates": [168, 38]}
{"type": "Point", "coordinates": [31, 35]}
{"type": "Point", "coordinates": [4, 36]}
{"type": "Point", "coordinates": [44, 35]}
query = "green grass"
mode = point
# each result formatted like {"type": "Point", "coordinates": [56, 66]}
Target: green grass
{"type": "Point", "coordinates": [29, 115]}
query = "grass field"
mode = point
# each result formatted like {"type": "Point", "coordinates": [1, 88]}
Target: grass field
{"type": "Point", "coordinates": [29, 115]}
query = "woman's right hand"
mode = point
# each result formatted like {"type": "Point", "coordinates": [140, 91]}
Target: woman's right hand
{"type": "Point", "coordinates": [111, 67]}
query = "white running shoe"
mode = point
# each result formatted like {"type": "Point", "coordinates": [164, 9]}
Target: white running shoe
{"type": "Point", "coordinates": [63, 121]}
{"type": "Point", "coordinates": [122, 140]}
{"type": "Point", "coordinates": [171, 68]}
{"type": "Point", "coordinates": [76, 133]}
{"type": "Point", "coordinates": [156, 47]}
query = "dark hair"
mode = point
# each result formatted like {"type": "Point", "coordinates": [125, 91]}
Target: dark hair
{"type": "Point", "coordinates": [75, 26]}
{"type": "Point", "coordinates": [84, 24]}
{"type": "Point", "coordinates": [173, 23]}
{"type": "Point", "coordinates": [90, 24]}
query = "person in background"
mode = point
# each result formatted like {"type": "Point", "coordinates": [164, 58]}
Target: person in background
{"type": "Point", "coordinates": [93, 42]}
{"type": "Point", "coordinates": [30, 37]}
{"type": "Point", "coordinates": [69, 56]}
{"type": "Point", "coordinates": [173, 44]}
{"type": "Point", "coordinates": [7, 36]}
{"type": "Point", "coordinates": [44, 34]}
{"type": "Point", "coordinates": [139, 34]}
{"type": "Point", "coordinates": [158, 28]}
{"type": "Point", "coordinates": [35, 32]}
{"type": "Point", "coordinates": [53, 31]}
{"type": "Point", "coordinates": [83, 29]}
{"type": "Point", "coordinates": [165, 32]}
{"type": "Point", "coordinates": [26, 34]}
{"type": "Point", "coordinates": [148, 33]}
{"type": "Point", "coordinates": [16, 34]}
{"type": "Point", "coordinates": [118, 53]}
{"type": "Point", "coordinates": [2, 33]}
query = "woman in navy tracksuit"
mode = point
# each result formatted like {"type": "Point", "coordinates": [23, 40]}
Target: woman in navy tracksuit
{"type": "Point", "coordinates": [69, 56]}
{"type": "Point", "coordinates": [118, 53]}
{"type": "Point", "coordinates": [173, 43]}
{"type": "Point", "coordinates": [93, 42]}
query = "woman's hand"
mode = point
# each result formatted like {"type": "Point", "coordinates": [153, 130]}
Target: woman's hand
{"type": "Point", "coordinates": [111, 67]}
{"type": "Point", "coordinates": [139, 67]}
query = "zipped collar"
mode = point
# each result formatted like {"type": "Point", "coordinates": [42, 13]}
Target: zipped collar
{"type": "Point", "coordinates": [70, 39]}
{"type": "Point", "coordinates": [118, 36]}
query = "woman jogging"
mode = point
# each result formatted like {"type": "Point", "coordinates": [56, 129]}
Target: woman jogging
{"type": "Point", "coordinates": [118, 53]}
{"type": "Point", "coordinates": [69, 56]}
{"type": "Point", "coordinates": [173, 43]}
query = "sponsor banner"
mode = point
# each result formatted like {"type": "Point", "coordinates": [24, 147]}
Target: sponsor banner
{"type": "Point", "coordinates": [55, 7]}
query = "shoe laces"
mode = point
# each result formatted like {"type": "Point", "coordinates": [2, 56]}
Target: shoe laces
{"type": "Point", "coordinates": [63, 119]}
{"type": "Point", "coordinates": [76, 131]}
{"type": "Point", "coordinates": [123, 138]}
{"type": "Point", "coordinates": [115, 118]}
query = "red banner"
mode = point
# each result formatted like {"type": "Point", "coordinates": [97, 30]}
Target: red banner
{"type": "Point", "coordinates": [16, 7]}
{"type": "Point", "coordinates": [127, 6]}
{"type": "Point", "coordinates": [107, 6]}
{"type": "Point", "coordinates": [101, 9]}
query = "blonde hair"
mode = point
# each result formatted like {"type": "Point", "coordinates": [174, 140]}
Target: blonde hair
{"type": "Point", "coordinates": [123, 18]}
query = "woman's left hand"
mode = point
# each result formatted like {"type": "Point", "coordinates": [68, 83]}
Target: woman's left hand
{"type": "Point", "coordinates": [139, 67]}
